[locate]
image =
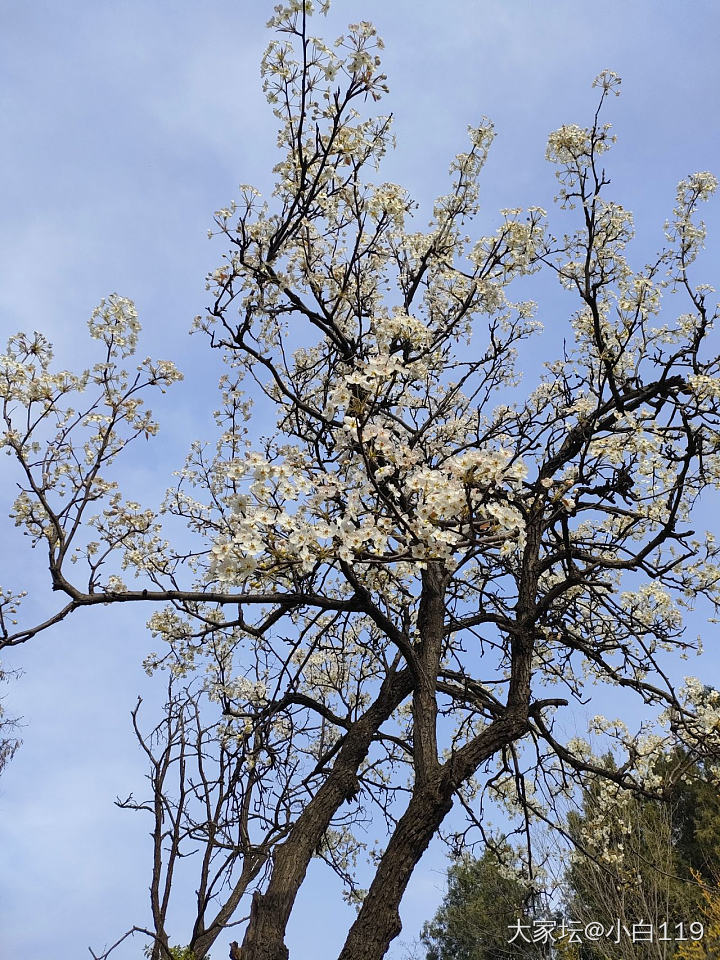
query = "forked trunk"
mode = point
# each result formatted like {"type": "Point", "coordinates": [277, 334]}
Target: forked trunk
{"type": "Point", "coordinates": [378, 922]}
{"type": "Point", "coordinates": [265, 934]}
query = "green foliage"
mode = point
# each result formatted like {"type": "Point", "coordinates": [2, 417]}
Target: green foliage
{"type": "Point", "coordinates": [178, 953]}
{"type": "Point", "coordinates": [695, 803]}
{"type": "Point", "coordinates": [483, 900]}
{"type": "Point", "coordinates": [185, 953]}
{"type": "Point", "coordinates": [647, 861]}
{"type": "Point", "coordinates": [653, 859]}
{"type": "Point", "coordinates": [709, 946]}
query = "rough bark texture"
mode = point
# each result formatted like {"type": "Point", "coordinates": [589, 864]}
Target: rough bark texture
{"type": "Point", "coordinates": [378, 922]}
{"type": "Point", "coordinates": [265, 934]}
{"type": "Point", "coordinates": [431, 628]}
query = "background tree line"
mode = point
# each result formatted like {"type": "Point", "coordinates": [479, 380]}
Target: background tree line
{"type": "Point", "coordinates": [635, 860]}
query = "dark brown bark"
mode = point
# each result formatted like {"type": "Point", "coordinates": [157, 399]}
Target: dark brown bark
{"type": "Point", "coordinates": [378, 922]}
{"type": "Point", "coordinates": [265, 934]}
{"type": "Point", "coordinates": [431, 628]}
{"type": "Point", "coordinates": [203, 940]}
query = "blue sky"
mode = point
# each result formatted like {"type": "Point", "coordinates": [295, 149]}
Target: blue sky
{"type": "Point", "coordinates": [124, 125]}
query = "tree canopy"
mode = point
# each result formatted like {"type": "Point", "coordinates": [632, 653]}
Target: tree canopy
{"type": "Point", "coordinates": [397, 583]}
{"type": "Point", "coordinates": [485, 899]}
{"type": "Point", "coordinates": [634, 860]}
{"type": "Point", "coordinates": [639, 859]}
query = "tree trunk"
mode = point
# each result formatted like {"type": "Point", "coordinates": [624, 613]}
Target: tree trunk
{"type": "Point", "coordinates": [378, 922]}
{"type": "Point", "coordinates": [265, 933]}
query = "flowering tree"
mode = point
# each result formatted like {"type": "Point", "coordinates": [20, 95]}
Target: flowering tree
{"type": "Point", "coordinates": [638, 858]}
{"type": "Point", "coordinates": [395, 592]}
